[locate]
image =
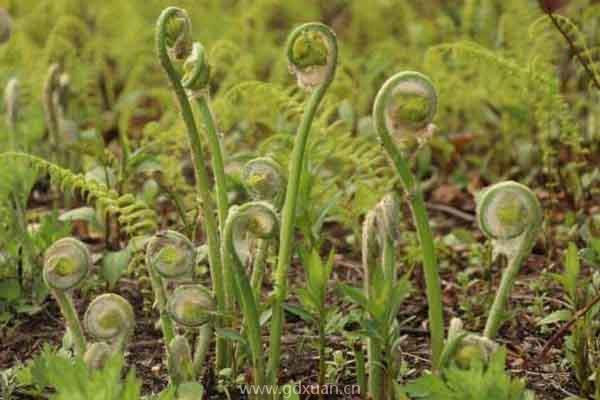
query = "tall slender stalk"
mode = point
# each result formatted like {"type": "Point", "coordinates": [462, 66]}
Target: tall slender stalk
{"type": "Point", "coordinates": [510, 214]}
{"type": "Point", "coordinates": [312, 54]}
{"type": "Point", "coordinates": [259, 219]}
{"type": "Point", "coordinates": [405, 106]}
{"type": "Point", "coordinates": [173, 39]}
{"type": "Point", "coordinates": [66, 264]}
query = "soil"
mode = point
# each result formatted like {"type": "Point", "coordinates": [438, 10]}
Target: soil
{"type": "Point", "coordinates": [522, 336]}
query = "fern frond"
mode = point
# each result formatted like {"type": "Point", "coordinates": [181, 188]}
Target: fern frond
{"type": "Point", "coordinates": [136, 218]}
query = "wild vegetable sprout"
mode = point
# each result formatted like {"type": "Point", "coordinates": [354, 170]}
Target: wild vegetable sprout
{"type": "Point", "coordinates": [180, 192]}
{"type": "Point", "coordinates": [405, 105]}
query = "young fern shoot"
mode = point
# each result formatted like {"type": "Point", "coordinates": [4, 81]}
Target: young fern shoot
{"type": "Point", "coordinates": [380, 234]}
{"type": "Point", "coordinates": [510, 215]}
{"type": "Point", "coordinates": [109, 317]}
{"type": "Point", "coordinates": [312, 55]}
{"type": "Point", "coordinates": [264, 181]}
{"type": "Point", "coordinates": [192, 307]}
{"type": "Point", "coordinates": [403, 110]}
{"type": "Point", "coordinates": [260, 220]}
{"type": "Point", "coordinates": [174, 44]}
{"type": "Point", "coordinates": [66, 264]}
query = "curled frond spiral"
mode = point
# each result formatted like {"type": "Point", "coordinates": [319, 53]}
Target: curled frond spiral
{"type": "Point", "coordinates": [405, 106]}
{"type": "Point", "coordinates": [511, 216]}
{"type": "Point", "coordinates": [11, 102]}
{"type": "Point", "coordinates": [264, 180]}
{"type": "Point", "coordinates": [110, 317]}
{"type": "Point", "coordinates": [175, 31]}
{"type": "Point", "coordinates": [5, 26]}
{"type": "Point", "coordinates": [312, 54]}
{"type": "Point", "coordinates": [134, 215]}
{"type": "Point", "coordinates": [403, 110]}
{"type": "Point", "coordinates": [507, 211]}
{"type": "Point", "coordinates": [66, 264]}
{"type": "Point", "coordinates": [191, 305]}
{"type": "Point", "coordinates": [196, 70]}
{"type": "Point", "coordinates": [171, 254]}
{"type": "Point", "coordinates": [259, 219]}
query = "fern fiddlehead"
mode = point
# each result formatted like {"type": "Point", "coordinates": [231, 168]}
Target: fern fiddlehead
{"type": "Point", "coordinates": [312, 55]}
{"type": "Point", "coordinates": [195, 81]}
{"type": "Point", "coordinates": [264, 181]}
{"type": "Point", "coordinates": [110, 317]}
{"type": "Point", "coordinates": [406, 103]}
{"type": "Point", "coordinates": [510, 215]}
{"type": "Point", "coordinates": [66, 264]}
{"type": "Point", "coordinates": [134, 215]}
{"type": "Point", "coordinates": [173, 40]}
{"type": "Point", "coordinates": [380, 234]}
{"type": "Point", "coordinates": [169, 255]}
{"type": "Point", "coordinates": [260, 220]}
{"type": "Point", "coordinates": [193, 307]}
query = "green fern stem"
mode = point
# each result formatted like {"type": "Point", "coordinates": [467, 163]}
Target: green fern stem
{"type": "Point", "coordinates": [202, 347]}
{"type": "Point", "coordinates": [261, 219]}
{"type": "Point", "coordinates": [67, 309]}
{"type": "Point", "coordinates": [293, 185]}
{"type": "Point", "coordinates": [258, 268]}
{"type": "Point", "coordinates": [416, 200]}
{"type": "Point", "coordinates": [202, 180]}
{"type": "Point", "coordinates": [218, 167]}
{"type": "Point", "coordinates": [511, 216]}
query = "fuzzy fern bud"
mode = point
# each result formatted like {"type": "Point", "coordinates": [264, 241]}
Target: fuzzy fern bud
{"type": "Point", "coordinates": [110, 317]}
{"type": "Point", "coordinates": [264, 180]}
{"type": "Point", "coordinates": [405, 107]}
{"type": "Point", "coordinates": [191, 305]}
{"type": "Point", "coordinates": [66, 264]}
{"type": "Point", "coordinates": [171, 254]}
{"type": "Point", "coordinates": [511, 216]}
{"type": "Point", "coordinates": [196, 71]}
{"type": "Point", "coordinates": [312, 54]}
{"type": "Point", "coordinates": [177, 33]}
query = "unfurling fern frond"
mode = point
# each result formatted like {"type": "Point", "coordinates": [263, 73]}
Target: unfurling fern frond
{"type": "Point", "coordinates": [135, 217]}
{"type": "Point", "coordinates": [588, 57]}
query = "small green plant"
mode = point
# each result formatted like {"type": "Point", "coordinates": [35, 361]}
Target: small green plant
{"type": "Point", "coordinates": [479, 382]}
{"type": "Point", "coordinates": [403, 111]}
{"type": "Point", "coordinates": [381, 297]}
{"type": "Point", "coordinates": [316, 78]}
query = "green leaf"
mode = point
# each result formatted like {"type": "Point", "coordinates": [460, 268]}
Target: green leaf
{"type": "Point", "coordinates": [231, 335]}
{"type": "Point", "coordinates": [556, 316]}
{"type": "Point", "coordinates": [353, 294]}
{"type": "Point", "coordinates": [114, 264]}
{"type": "Point", "coordinates": [299, 311]}
{"type": "Point", "coordinates": [10, 289]}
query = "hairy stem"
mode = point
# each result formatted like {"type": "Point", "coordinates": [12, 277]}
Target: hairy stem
{"type": "Point", "coordinates": [65, 302]}
{"type": "Point", "coordinates": [250, 309]}
{"type": "Point", "coordinates": [202, 181]}
{"type": "Point", "coordinates": [430, 264]}
{"type": "Point", "coordinates": [258, 269]}
{"type": "Point", "coordinates": [287, 230]}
